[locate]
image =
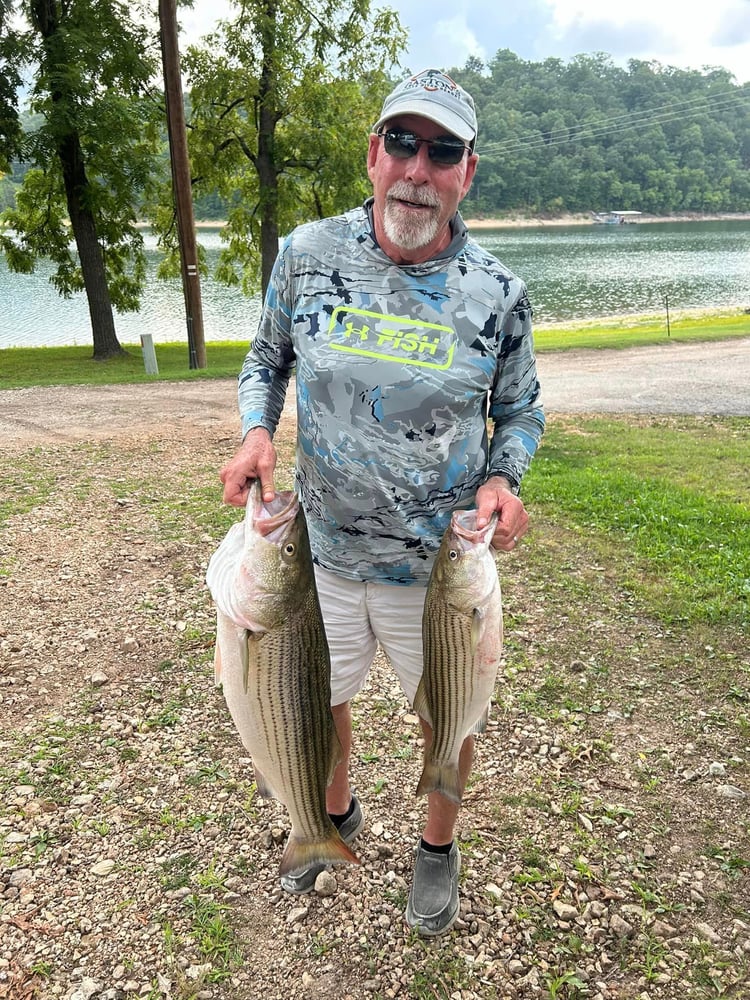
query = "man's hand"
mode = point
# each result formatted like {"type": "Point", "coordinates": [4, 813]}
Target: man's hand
{"type": "Point", "coordinates": [255, 459]}
{"type": "Point", "coordinates": [512, 521]}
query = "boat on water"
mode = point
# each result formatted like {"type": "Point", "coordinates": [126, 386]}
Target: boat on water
{"type": "Point", "coordinates": [615, 218]}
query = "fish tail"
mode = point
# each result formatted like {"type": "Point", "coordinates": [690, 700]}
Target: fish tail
{"type": "Point", "coordinates": [441, 778]}
{"type": "Point", "coordinates": [300, 854]}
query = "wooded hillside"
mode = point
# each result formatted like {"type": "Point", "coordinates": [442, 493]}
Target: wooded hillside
{"type": "Point", "coordinates": [586, 135]}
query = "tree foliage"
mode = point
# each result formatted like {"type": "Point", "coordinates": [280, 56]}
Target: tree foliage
{"type": "Point", "coordinates": [587, 135]}
{"type": "Point", "coordinates": [91, 156]}
{"type": "Point", "coordinates": [10, 81]}
{"type": "Point", "coordinates": [282, 98]}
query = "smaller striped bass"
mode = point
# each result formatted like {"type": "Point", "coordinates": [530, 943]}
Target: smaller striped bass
{"type": "Point", "coordinates": [462, 636]}
{"type": "Point", "coordinates": [273, 663]}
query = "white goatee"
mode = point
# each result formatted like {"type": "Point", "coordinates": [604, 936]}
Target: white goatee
{"type": "Point", "coordinates": [406, 229]}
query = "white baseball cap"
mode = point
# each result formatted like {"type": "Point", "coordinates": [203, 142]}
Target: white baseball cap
{"type": "Point", "coordinates": [433, 95]}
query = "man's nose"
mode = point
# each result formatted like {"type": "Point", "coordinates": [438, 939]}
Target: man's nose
{"type": "Point", "coordinates": [419, 167]}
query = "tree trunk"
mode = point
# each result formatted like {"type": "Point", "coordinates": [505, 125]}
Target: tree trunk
{"type": "Point", "coordinates": [46, 17]}
{"type": "Point", "coordinates": [83, 224]}
{"type": "Point", "coordinates": [268, 172]}
{"type": "Point", "coordinates": [269, 228]}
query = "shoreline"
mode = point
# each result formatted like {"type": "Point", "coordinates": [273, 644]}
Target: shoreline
{"type": "Point", "coordinates": [584, 219]}
{"type": "Point", "coordinates": [571, 219]}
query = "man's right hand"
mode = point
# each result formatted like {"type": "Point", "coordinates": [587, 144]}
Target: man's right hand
{"type": "Point", "coordinates": [255, 459]}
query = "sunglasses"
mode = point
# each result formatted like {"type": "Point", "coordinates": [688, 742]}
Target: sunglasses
{"type": "Point", "coordinates": [403, 145]}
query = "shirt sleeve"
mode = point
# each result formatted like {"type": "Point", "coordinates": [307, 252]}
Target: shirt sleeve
{"type": "Point", "coordinates": [515, 407]}
{"type": "Point", "coordinates": [269, 363]}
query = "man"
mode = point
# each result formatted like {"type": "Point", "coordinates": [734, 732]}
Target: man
{"type": "Point", "coordinates": [405, 335]}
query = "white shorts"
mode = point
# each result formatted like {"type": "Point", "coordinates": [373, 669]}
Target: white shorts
{"type": "Point", "coordinates": [358, 617]}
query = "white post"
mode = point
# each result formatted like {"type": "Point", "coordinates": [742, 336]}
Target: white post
{"type": "Point", "coordinates": [149, 354]}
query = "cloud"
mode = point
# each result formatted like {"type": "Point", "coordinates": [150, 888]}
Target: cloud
{"type": "Point", "coordinates": [733, 27]}
{"type": "Point", "coordinates": [604, 35]}
{"type": "Point", "coordinates": [446, 32]}
{"type": "Point", "coordinates": [455, 33]}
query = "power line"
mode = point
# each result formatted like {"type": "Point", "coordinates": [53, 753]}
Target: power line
{"type": "Point", "coordinates": [609, 126]}
{"type": "Point", "coordinates": [619, 123]}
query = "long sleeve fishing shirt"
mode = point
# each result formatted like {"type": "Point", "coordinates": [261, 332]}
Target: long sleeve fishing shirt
{"type": "Point", "coordinates": [397, 369]}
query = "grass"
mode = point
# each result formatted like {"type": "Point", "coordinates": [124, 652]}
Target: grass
{"type": "Point", "coordinates": [23, 367]}
{"type": "Point", "coordinates": [667, 499]}
{"type": "Point", "coordinates": [642, 331]}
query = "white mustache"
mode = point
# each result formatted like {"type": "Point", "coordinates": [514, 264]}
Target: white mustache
{"type": "Point", "coordinates": [403, 191]}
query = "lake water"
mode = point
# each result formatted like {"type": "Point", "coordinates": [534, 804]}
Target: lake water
{"type": "Point", "coordinates": [572, 272]}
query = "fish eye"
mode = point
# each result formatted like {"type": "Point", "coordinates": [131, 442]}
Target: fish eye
{"type": "Point", "coordinates": [453, 555]}
{"type": "Point", "coordinates": [289, 549]}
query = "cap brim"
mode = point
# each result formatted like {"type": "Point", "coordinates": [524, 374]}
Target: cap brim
{"type": "Point", "coordinates": [452, 123]}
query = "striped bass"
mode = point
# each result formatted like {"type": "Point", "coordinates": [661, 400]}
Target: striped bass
{"type": "Point", "coordinates": [462, 636]}
{"type": "Point", "coordinates": [273, 663]}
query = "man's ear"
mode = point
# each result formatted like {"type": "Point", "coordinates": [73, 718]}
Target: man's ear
{"type": "Point", "coordinates": [471, 169]}
{"type": "Point", "coordinates": [372, 152]}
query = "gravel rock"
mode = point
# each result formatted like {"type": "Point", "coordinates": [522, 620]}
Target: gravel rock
{"type": "Point", "coordinates": [619, 927]}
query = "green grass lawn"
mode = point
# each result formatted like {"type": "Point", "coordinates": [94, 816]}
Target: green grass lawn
{"type": "Point", "coordinates": [665, 499]}
{"type": "Point", "coordinates": [21, 367]}
{"type": "Point", "coordinates": [642, 331]}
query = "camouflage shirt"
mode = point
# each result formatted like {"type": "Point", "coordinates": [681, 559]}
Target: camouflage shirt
{"type": "Point", "coordinates": [397, 368]}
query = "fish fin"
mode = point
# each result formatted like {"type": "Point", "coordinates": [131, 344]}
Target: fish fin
{"type": "Point", "coordinates": [335, 757]}
{"type": "Point", "coordinates": [245, 658]}
{"type": "Point", "coordinates": [420, 703]}
{"type": "Point", "coordinates": [481, 724]}
{"type": "Point", "coordinates": [441, 778]}
{"type": "Point", "coordinates": [217, 666]}
{"type": "Point", "coordinates": [476, 630]}
{"type": "Point", "coordinates": [331, 850]}
{"type": "Point", "coordinates": [228, 637]}
{"type": "Point", "coordinates": [264, 788]}
{"type": "Point", "coordinates": [248, 654]}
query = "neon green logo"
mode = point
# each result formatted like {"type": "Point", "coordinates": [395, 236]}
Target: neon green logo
{"type": "Point", "coordinates": [391, 338]}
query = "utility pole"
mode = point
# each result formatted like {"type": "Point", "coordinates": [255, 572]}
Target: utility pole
{"type": "Point", "coordinates": [181, 186]}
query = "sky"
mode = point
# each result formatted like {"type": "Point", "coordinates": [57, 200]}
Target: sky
{"type": "Point", "coordinates": [442, 33]}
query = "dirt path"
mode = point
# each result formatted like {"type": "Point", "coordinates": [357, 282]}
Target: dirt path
{"type": "Point", "coordinates": [673, 378]}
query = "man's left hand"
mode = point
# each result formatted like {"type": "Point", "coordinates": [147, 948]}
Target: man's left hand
{"type": "Point", "coordinates": [512, 521]}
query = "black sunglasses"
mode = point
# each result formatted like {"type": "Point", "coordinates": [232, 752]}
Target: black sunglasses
{"type": "Point", "coordinates": [403, 144]}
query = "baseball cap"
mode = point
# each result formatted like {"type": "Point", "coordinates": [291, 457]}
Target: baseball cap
{"type": "Point", "coordinates": [433, 95]}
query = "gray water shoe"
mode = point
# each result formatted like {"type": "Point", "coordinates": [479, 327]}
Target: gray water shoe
{"type": "Point", "coordinates": [304, 881]}
{"type": "Point", "coordinates": [433, 901]}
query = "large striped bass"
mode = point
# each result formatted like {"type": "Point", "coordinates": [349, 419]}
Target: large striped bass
{"type": "Point", "coordinates": [273, 663]}
{"type": "Point", "coordinates": [462, 636]}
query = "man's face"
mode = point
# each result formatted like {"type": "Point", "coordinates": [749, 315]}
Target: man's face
{"type": "Point", "coordinates": [415, 198]}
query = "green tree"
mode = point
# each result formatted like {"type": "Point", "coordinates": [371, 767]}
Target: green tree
{"type": "Point", "coordinates": [282, 98]}
{"type": "Point", "coordinates": [92, 154]}
{"type": "Point", "coordinates": [10, 81]}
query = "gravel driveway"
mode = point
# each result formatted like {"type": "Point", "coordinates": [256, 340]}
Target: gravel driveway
{"type": "Point", "coordinates": [670, 378]}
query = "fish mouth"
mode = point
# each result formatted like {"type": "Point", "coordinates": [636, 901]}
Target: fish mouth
{"type": "Point", "coordinates": [272, 518]}
{"type": "Point", "coordinates": [465, 531]}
